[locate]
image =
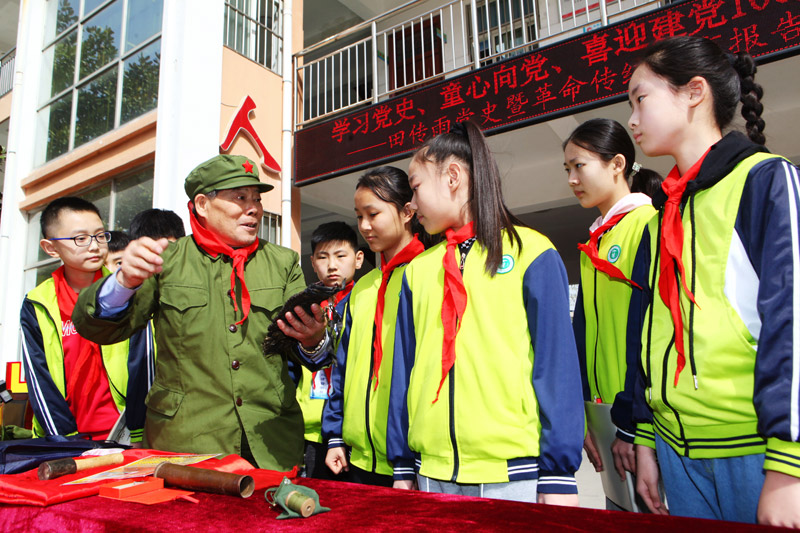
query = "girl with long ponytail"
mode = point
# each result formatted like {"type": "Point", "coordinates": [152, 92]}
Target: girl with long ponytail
{"type": "Point", "coordinates": [485, 394]}
{"type": "Point", "coordinates": [721, 337]}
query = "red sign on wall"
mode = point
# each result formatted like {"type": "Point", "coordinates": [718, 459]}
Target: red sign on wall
{"type": "Point", "coordinates": [585, 71]}
{"type": "Point", "coordinates": [240, 123]}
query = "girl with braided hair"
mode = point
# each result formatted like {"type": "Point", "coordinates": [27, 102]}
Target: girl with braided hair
{"type": "Point", "coordinates": [720, 380]}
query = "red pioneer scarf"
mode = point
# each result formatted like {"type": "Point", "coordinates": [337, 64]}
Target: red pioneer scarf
{"type": "Point", "coordinates": [409, 252]}
{"type": "Point", "coordinates": [455, 299]}
{"type": "Point", "coordinates": [591, 251]}
{"type": "Point", "coordinates": [213, 246]}
{"type": "Point", "coordinates": [671, 252]}
{"type": "Point", "coordinates": [339, 296]}
{"type": "Point", "coordinates": [88, 364]}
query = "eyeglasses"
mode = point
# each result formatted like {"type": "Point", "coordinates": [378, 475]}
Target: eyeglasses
{"type": "Point", "coordinates": [85, 240]}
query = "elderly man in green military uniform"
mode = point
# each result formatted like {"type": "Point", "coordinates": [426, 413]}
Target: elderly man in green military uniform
{"type": "Point", "coordinates": [212, 296]}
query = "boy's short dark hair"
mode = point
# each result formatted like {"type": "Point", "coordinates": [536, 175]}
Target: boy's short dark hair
{"type": "Point", "coordinates": [119, 241]}
{"type": "Point", "coordinates": [157, 224]}
{"type": "Point", "coordinates": [67, 203]}
{"type": "Point", "coordinates": [334, 232]}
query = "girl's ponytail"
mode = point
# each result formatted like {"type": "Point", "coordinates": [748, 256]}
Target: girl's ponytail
{"type": "Point", "coordinates": [489, 211]}
{"type": "Point", "coordinates": [466, 142]}
{"type": "Point", "coordinates": [751, 96]}
{"type": "Point", "coordinates": [646, 181]}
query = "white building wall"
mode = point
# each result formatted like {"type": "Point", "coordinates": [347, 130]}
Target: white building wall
{"type": "Point", "coordinates": [190, 87]}
{"type": "Point", "coordinates": [189, 96]}
{"type": "Point", "coordinates": [19, 163]}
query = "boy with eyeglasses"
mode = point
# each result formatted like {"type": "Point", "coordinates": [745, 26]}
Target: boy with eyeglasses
{"type": "Point", "coordinates": [75, 385]}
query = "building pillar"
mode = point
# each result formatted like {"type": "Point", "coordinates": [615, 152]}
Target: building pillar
{"type": "Point", "coordinates": [189, 96]}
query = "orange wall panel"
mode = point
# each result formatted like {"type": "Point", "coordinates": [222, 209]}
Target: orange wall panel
{"type": "Point", "coordinates": [127, 147]}
{"type": "Point", "coordinates": [241, 78]}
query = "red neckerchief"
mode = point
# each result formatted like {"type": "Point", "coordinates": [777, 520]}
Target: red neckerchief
{"type": "Point", "coordinates": [671, 252]}
{"type": "Point", "coordinates": [338, 297]}
{"type": "Point", "coordinates": [409, 252]}
{"type": "Point", "coordinates": [591, 250]}
{"type": "Point", "coordinates": [88, 364]}
{"type": "Point", "coordinates": [455, 298]}
{"type": "Point", "coordinates": [210, 243]}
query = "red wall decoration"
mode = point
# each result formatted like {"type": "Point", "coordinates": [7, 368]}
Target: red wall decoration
{"type": "Point", "coordinates": [240, 123]}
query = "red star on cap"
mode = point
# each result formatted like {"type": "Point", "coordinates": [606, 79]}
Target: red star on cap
{"type": "Point", "coordinates": [248, 166]}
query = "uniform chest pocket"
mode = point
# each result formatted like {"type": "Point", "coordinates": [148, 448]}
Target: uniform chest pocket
{"type": "Point", "coordinates": [268, 299]}
{"type": "Point", "coordinates": [184, 297]}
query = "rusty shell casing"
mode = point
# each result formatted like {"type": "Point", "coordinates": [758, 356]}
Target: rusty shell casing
{"type": "Point", "coordinates": [204, 480]}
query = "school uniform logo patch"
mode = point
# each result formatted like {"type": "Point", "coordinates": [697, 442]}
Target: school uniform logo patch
{"type": "Point", "coordinates": [613, 253]}
{"type": "Point", "coordinates": [506, 265]}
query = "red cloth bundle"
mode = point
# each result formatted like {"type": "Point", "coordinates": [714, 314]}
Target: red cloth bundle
{"type": "Point", "coordinates": [27, 489]}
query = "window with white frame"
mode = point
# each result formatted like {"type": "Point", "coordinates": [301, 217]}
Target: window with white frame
{"type": "Point", "coordinates": [254, 28]}
{"type": "Point", "coordinates": [118, 201]}
{"type": "Point", "coordinates": [99, 70]}
{"type": "Point", "coordinates": [270, 229]}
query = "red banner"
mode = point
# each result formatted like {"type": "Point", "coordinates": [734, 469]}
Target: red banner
{"type": "Point", "coordinates": [586, 71]}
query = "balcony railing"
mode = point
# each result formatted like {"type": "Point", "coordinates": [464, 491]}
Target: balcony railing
{"type": "Point", "coordinates": [381, 57]}
{"type": "Point", "coordinates": [7, 72]}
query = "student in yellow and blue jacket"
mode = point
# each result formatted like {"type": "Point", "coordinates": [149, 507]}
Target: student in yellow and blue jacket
{"type": "Point", "coordinates": [75, 385]}
{"type": "Point", "coordinates": [721, 338]}
{"type": "Point", "coordinates": [599, 158]}
{"type": "Point", "coordinates": [335, 257]}
{"type": "Point", "coordinates": [486, 394]}
{"type": "Point", "coordinates": [355, 415]}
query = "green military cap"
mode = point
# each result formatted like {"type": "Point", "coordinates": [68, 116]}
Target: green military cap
{"type": "Point", "coordinates": [223, 172]}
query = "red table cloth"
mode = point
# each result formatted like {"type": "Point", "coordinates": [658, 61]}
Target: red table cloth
{"type": "Point", "coordinates": [353, 508]}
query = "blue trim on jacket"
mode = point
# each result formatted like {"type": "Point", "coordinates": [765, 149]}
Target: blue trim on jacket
{"type": "Point", "coordinates": [333, 411]}
{"type": "Point", "coordinates": [47, 401]}
{"type": "Point", "coordinates": [405, 347]}
{"type": "Point", "coordinates": [770, 201]}
{"type": "Point", "coordinates": [555, 370]}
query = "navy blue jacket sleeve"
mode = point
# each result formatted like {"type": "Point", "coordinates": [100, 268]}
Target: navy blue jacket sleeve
{"type": "Point", "coordinates": [333, 411]}
{"type": "Point", "coordinates": [405, 344]}
{"type": "Point", "coordinates": [49, 405]}
{"type": "Point", "coordinates": [622, 410]}
{"type": "Point", "coordinates": [556, 373]}
{"type": "Point", "coordinates": [141, 372]}
{"type": "Point", "coordinates": [579, 329]}
{"type": "Point", "coordinates": [295, 371]}
{"type": "Point", "coordinates": [768, 226]}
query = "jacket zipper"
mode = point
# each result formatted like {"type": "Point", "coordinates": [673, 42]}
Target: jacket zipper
{"type": "Point", "coordinates": [366, 406]}
{"type": "Point", "coordinates": [596, 336]}
{"type": "Point", "coordinates": [694, 287]}
{"type": "Point", "coordinates": [452, 393]}
{"type": "Point", "coordinates": [653, 288]}
{"type": "Point", "coordinates": [665, 361]}
{"type": "Point", "coordinates": [664, 370]}
{"type": "Point", "coordinates": [664, 386]}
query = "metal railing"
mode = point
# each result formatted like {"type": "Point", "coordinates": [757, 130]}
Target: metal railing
{"type": "Point", "coordinates": [7, 72]}
{"type": "Point", "coordinates": [253, 29]}
{"type": "Point", "coordinates": [390, 57]}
